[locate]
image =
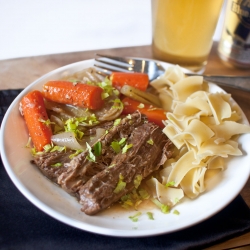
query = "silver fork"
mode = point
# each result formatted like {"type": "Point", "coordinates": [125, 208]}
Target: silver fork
{"type": "Point", "coordinates": [106, 64]}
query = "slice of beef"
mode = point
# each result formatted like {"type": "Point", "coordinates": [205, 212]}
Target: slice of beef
{"type": "Point", "coordinates": [46, 162]}
{"type": "Point", "coordinates": [139, 161]}
{"type": "Point", "coordinates": [80, 169]}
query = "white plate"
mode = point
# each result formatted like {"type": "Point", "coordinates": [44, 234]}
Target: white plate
{"type": "Point", "coordinates": [114, 222]}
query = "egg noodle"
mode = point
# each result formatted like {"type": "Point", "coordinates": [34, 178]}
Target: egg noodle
{"type": "Point", "coordinates": [203, 127]}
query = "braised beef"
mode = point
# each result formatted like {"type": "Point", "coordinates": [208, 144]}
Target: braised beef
{"type": "Point", "coordinates": [80, 169]}
{"type": "Point", "coordinates": [138, 162]}
{"type": "Point", "coordinates": [48, 163]}
{"type": "Point", "coordinates": [95, 183]}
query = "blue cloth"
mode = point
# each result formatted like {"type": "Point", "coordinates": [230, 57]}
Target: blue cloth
{"type": "Point", "coordinates": [24, 226]}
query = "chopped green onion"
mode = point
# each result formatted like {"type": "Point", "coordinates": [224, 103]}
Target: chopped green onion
{"type": "Point", "coordinates": [137, 181]}
{"type": "Point", "coordinates": [58, 148]}
{"type": "Point", "coordinates": [46, 122]}
{"type": "Point", "coordinates": [87, 120]}
{"type": "Point", "coordinates": [59, 164]}
{"type": "Point", "coordinates": [71, 125]}
{"type": "Point", "coordinates": [170, 184]}
{"type": "Point", "coordinates": [116, 146]}
{"type": "Point", "coordinates": [90, 156]}
{"type": "Point", "coordinates": [75, 154]}
{"type": "Point", "coordinates": [144, 194]}
{"type": "Point", "coordinates": [150, 215]}
{"type": "Point", "coordinates": [164, 208]}
{"type": "Point", "coordinates": [116, 92]}
{"type": "Point", "coordinates": [117, 121]}
{"type": "Point", "coordinates": [104, 95]}
{"type": "Point", "coordinates": [126, 148]}
{"type": "Point", "coordinates": [120, 185]}
{"type": "Point", "coordinates": [34, 152]}
{"type": "Point", "coordinates": [134, 198]}
{"type": "Point", "coordinates": [128, 204]}
{"type": "Point", "coordinates": [125, 197]}
{"type": "Point", "coordinates": [134, 218]}
{"type": "Point", "coordinates": [118, 104]}
{"type": "Point", "coordinates": [122, 141]}
{"type": "Point", "coordinates": [47, 147]}
{"type": "Point", "coordinates": [176, 200]}
{"type": "Point", "coordinates": [97, 149]}
{"type": "Point", "coordinates": [137, 203]}
{"type": "Point", "coordinates": [150, 141]}
{"type": "Point", "coordinates": [107, 87]}
{"type": "Point", "coordinates": [176, 212]}
{"type": "Point", "coordinates": [79, 134]}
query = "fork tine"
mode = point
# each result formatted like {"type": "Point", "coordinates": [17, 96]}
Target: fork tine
{"type": "Point", "coordinates": [106, 69]}
{"type": "Point", "coordinates": [108, 63]}
{"type": "Point", "coordinates": [117, 58]}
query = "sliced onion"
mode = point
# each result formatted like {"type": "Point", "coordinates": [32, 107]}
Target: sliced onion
{"type": "Point", "coordinates": [99, 133]}
{"type": "Point", "coordinates": [141, 96]}
{"type": "Point", "coordinates": [57, 120]}
{"type": "Point", "coordinates": [111, 114]}
{"type": "Point", "coordinates": [68, 140]}
{"type": "Point", "coordinates": [110, 111]}
{"type": "Point", "coordinates": [86, 75]}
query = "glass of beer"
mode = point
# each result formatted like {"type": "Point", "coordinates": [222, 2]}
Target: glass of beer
{"type": "Point", "coordinates": [183, 31]}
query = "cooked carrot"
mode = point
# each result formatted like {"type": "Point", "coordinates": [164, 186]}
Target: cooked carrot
{"type": "Point", "coordinates": [77, 94]}
{"type": "Point", "coordinates": [35, 116]}
{"type": "Point", "coordinates": [154, 114]}
{"type": "Point", "coordinates": [137, 80]}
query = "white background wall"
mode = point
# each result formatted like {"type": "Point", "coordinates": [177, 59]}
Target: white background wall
{"type": "Point", "coordinates": [39, 27]}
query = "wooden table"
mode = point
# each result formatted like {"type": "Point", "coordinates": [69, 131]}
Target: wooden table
{"type": "Point", "coordinates": [19, 73]}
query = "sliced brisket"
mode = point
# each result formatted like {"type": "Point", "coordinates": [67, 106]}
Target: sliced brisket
{"type": "Point", "coordinates": [95, 183]}
{"type": "Point", "coordinates": [47, 163]}
{"type": "Point", "coordinates": [80, 169]}
{"type": "Point", "coordinates": [138, 162]}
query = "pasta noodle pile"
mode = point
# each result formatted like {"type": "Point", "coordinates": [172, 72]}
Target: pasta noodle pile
{"type": "Point", "coordinates": [203, 127]}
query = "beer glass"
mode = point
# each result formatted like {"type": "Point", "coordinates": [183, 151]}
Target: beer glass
{"type": "Point", "coordinates": [183, 31]}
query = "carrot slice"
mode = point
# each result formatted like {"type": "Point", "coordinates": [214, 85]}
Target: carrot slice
{"type": "Point", "coordinates": [137, 80]}
{"type": "Point", "coordinates": [154, 114]}
{"type": "Point", "coordinates": [77, 94]}
{"type": "Point", "coordinates": [35, 115]}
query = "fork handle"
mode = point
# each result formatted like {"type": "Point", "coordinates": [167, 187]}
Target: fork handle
{"type": "Point", "coordinates": [238, 82]}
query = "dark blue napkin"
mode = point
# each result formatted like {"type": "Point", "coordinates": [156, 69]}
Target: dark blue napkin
{"type": "Point", "coordinates": [24, 226]}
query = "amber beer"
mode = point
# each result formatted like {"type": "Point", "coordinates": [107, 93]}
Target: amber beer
{"type": "Point", "coordinates": [183, 30]}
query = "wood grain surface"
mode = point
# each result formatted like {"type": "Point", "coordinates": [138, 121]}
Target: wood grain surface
{"type": "Point", "coordinates": [19, 73]}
